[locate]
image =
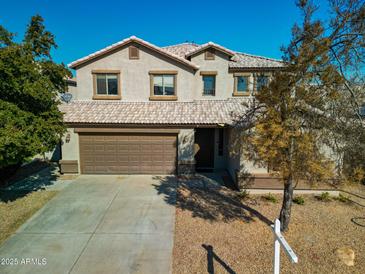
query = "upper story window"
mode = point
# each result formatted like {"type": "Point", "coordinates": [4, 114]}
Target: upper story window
{"type": "Point", "coordinates": [163, 85]}
{"type": "Point", "coordinates": [241, 84]}
{"type": "Point", "coordinates": [209, 54]}
{"type": "Point", "coordinates": [209, 80]}
{"type": "Point", "coordinates": [261, 81]}
{"type": "Point", "coordinates": [106, 84]}
{"type": "Point", "coordinates": [133, 52]}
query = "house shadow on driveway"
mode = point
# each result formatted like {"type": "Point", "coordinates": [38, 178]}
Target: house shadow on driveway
{"type": "Point", "coordinates": [206, 198]}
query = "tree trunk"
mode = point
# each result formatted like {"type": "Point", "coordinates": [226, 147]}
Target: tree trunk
{"type": "Point", "coordinates": [285, 211]}
{"type": "Point", "coordinates": [287, 203]}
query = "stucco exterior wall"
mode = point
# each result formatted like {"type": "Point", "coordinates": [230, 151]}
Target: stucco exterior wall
{"type": "Point", "coordinates": [224, 79]}
{"type": "Point", "coordinates": [135, 78]}
{"type": "Point", "coordinates": [72, 88]}
{"type": "Point", "coordinates": [70, 149]}
{"type": "Point", "coordinates": [134, 74]}
{"type": "Point", "coordinates": [236, 162]}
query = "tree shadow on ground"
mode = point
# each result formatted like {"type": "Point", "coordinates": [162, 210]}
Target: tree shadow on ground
{"type": "Point", "coordinates": [205, 198]}
{"type": "Point", "coordinates": [34, 182]}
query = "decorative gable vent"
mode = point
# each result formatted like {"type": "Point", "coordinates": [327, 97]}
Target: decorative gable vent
{"type": "Point", "coordinates": [133, 52]}
{"type": "Point", "coordinates": [209, 54]}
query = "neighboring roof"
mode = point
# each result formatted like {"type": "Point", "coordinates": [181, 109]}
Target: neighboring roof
{"type": "Point", "coordinates": [199, 112]}
{"type": "Point", "coordinates": [126, 41]}
{"type": "Point", "coordinates": [243, 60]}
{"type": "Point", "coordinates": [210, 45]}
{"type": "Point", "coordinates": [181, 49]}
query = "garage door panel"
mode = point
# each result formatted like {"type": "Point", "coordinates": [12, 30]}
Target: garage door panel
{"type": "Point", "coordinates": [127, 153]}
{"type": "Point", "coordinates": [123, 147]}
{"type": "Point", "coordinates": [99, 148]}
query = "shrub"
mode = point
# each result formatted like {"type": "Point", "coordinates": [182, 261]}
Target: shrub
{"type": "Point", "coordinates": [299, 200]}
{"type": "Point", "coordinates": [243, 194]}
{"type": "Point", "coordinates": [342, 198]}
{"type": "Point", "coordinates": [325, 196]}
{"type": "Point", "coordinates": [271, 198]}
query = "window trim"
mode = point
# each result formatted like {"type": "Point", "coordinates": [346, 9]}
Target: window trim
{"type": "Point", "coordinates": [106, 96]}
{"type": "Point", "coordinates": [154, 97]}
{"type": "Point", "coordinates": [235, 90]}
{"type": "Point", "coordinates": [209, 73]}
{"type": "Point", "coordinates": [256, 75]}
{"type": "Point", "coordinates": [130, 53]}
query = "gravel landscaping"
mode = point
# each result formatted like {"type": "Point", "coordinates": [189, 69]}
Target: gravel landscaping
{"type": "Point", "coordinates": [217, 232]}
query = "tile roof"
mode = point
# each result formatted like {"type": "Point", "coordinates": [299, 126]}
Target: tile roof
{"type": "Point", "coordinates": [181, 49]}
{"type": "Point", "coordinates": [243, 60]}
{"type": "Point", "coordinates": [238, 61]}
{"type": "Point", "coordinates": [199, 112]}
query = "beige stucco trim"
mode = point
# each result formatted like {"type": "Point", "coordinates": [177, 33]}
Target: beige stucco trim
{"type": "Point", "coordinates": [127, 130]}
{"type": "Point", "coordinates": [69, 166]}
{"type": "Point", "coordinates": [163, 98]}
{"type": "Point", "coordinates": [169, 72]}
{"type": "Point", "coordinates": [106, 97]}
{"type": "Point", "coordinates": [209, 72]}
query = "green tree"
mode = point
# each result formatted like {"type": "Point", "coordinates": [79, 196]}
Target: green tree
{"type": "Point", "coordinates": [30, 122]}
{"type": "Point", "coordinates": [308, 117]}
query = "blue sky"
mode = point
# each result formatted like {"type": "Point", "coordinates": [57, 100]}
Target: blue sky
{"type": "Point", "coordinates": [82, 27]}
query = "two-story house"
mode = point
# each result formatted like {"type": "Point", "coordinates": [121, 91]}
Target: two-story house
{"type": "Point", "coordinates": [142, 109]}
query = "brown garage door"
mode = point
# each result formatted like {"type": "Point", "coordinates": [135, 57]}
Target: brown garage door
{"type": "Point", "coordinates": [116, 153]}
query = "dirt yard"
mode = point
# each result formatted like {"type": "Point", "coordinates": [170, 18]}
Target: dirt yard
{"type": "Point", "coordinates": [217, 233]}
{"type": "Point", "coordinates": [16, 209]}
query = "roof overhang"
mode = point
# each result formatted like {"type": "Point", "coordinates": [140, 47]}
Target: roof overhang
{"type": "Point", "coordinates": [132, 39]}
{"type": "Point", "coordinates": [215, 46]}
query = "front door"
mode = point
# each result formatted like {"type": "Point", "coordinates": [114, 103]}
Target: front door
{"type": "Point", "coordinates": [204, 143]}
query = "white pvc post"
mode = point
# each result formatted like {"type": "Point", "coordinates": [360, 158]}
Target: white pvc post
{"type": "Point", "coordinates": [280, 241]}
{"type": "Point", "coordinates": [276, 247]}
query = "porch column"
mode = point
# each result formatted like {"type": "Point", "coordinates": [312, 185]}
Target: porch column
{"type": "Point", "coordinates": [185, 153]}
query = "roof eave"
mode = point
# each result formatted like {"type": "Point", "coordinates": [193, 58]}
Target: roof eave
{"type": "Point", "coordinates": [255, 68]}
{"type": "Point", "coordinates": [211, 45]}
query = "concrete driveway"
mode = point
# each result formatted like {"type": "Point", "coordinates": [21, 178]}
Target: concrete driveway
{"type": "Point", "coordinates": [98, 224]}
